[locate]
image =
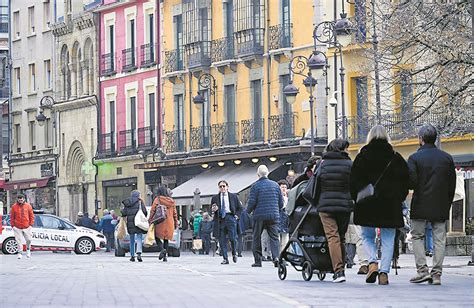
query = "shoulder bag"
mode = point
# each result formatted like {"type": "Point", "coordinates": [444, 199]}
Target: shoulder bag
{"type": "Point", "coordinates": [140, 220]}
{"type": "Point", "coordinates": [159, 215]}
{"type": "Point", "coordinates": [368, 192]}
{"type": "Point", "coordinates": [310, 192]}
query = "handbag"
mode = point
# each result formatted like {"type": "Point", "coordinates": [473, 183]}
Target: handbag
{"type": "Point", "coordinates": [159, 215]}
{"type": "Point", "coordinates": [122, 229]}
{"type": "Point", "coordinates": [141, 221]}
{"type": "Point", "coordinates": [197, 244]}
{"type": "Point", "coordinates": [310, 192]}
{"type": "Point", "coordinates": [150, 236]}
{"type": "Point", "coordinates": [368, 192]}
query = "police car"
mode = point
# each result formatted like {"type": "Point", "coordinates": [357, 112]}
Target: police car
{"type": "Point", "coordinates": [51, 233]}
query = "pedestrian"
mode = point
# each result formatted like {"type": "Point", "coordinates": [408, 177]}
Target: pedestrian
{"type": "Point", "coordinates": [379, 165]}
{"type": "Point", "coordinates": [205, 230]}
{"type": "Point", "coordinates": [86, 221]}
{"type": "Point", "coordinates": [334, 201]}
{"type": "Point", "coordinates": [226, 207]}
{"type": "Point", "coordinates": [244, 224]}
{"type": "Point", "coordinates": [308, 171]}
{"type": "Point", "coordinates": [266, 250]}
{"type": "Point", "coordinates": [132, 205]}
{"type": "Point", "coordinates": [197, 223]}
{"type": "Point", "coordinates": [95, 221]}
{"type": "Point", "coordinates": [164, 231]}
{"type": "Point", "coordinates": [284, 225]}
{"type": "Point", "coordinates": [428, 239]}
{"type": "Point", "coordinates": [107, 227]}
{"type": "Point", "coordinates": [79, 218]}
{"type": "Point", "coordinates": [265, 202]}
{"type": "Point", "coordinates": [433, 180]}
{"type": "Point", "coordinates": [21, 221]}
{"type": "Point", "coordinates": [398, 237]}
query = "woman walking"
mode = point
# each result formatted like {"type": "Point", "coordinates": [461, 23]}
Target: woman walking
{"type": "Point", "coordinates": [131, 207]}
{"type": "Point", "coordinates": [334, 201]}
{"type": "Point", "coordinates": [164, 230]}
{"type": "Point", "coordinates": [378, 164]}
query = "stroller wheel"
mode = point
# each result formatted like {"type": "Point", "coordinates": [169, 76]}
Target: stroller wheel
{"type": "Point", "coordinates": [321, 276]}
{"type": "Point", "coordinates": [282, 270]}
{"type": "Point", "coordinates": [307, 271]}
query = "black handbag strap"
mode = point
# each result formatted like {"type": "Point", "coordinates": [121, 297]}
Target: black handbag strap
{"type": "Point", "coordinates": [383, 172]}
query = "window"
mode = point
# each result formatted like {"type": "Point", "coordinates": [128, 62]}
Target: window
{"type": "Point", "coordinates": [131, 37]}
{"type": "Point", "coordinates": [151, 104]}
{"type": "Point", "coordinates": [256, 90]}
{"type": "Point", "coordinates": [32, 130]}
{"type": "Point", "coordinates": [32, 78]}
{"type": "Point", "coordinates": [229, 18]}
{"type": "Point", "coordinates": [16, 24]}
{"type": "Point", "coordinates": [4, 17]}
{"type": "Point", "coordinates": [229, 92]}
{"type": "Point", "coordinates": [46, 15]}
{"type": "Point", "coordinates": [112, 116]}
{"type": "Point", "coordinates": [48, 129]}
{"type": "Point", "coordinates": [50, 222]}
{"type": "Point", "coordinates": [151, 29]}
{"type": "Point", "coordinates": [47, 74]}
{"type": "Point", "coordinates": [110, 39]}
{"type": "Point", "coordinates": [178, 29]}
{"type": "Point", "coordinates": [17, 138]}
{"type": "Point", "coordinates": [179, 121]}
{"type": "Point", "coordinates": [17, 85]}
{"type": "Point", "coordinates": [31, 20]}
{"type": "Point", "coordinates": [360, 16]}
{"type": "Point", "coordinates": [285, 106]}
{"type": "Point", "coordinates": [362, 104]}
{"type": "Point", "coordinates": [133, 113]}
{"type": "Point", "coordinates": [5, 134]}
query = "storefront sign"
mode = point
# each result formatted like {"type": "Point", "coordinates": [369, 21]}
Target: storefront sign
{"type": "Point", "coordinates": [467, 173]}
{"type": "Point", "coordinates": [168, 179]}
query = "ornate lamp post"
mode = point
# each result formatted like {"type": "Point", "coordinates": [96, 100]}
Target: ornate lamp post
{"type": "Point", "coordinates": [206, 82]}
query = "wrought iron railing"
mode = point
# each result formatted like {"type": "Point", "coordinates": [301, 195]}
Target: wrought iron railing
{"type": "Point", "coordinates": [175, 141]}
{"type": "Point", "coordinates": [198, 54]}
{"type": "Point", "coordinates": [225, 134]}
{"type": "Point", "coordinates": [174, 60]}
{"type": "Point", "coordinates": [128, 140]}
{"type": "Point", "coordinates": [200, 138]}
{"type": "Point", "coordinates": [249, 42]}
{"type": "Point", "coordinates": [253, 130]}
{"type": "Point", "coordinates": [280, 36]}
{"type": "Point", "coordinates": [129, 62]}
{"type": "Point", "coordinates": [107, 143]}
{"type": "Point", "coordinates": [147, 55]}
{"type": "Point", "coordinates": [146, 137]}
{"type": "Point", "coordinates": [222, 49]}
{"type": "Point", "coordinates": [107, 64]}
{"type": "Point", "coordinates": [282, 126]}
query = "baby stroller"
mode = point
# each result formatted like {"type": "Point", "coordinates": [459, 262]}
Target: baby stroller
{"type": "Point", "coordinates": [307, 249]}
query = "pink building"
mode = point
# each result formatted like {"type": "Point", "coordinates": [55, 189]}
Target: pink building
{"type": "Point", "coordinates": [130, 121]}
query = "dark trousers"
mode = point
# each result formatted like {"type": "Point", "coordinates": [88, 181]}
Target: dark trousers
{"type": "Point", "coordinates": [396, 246]}
{"type": "Point", "coordinates": [206, 242]}
{"type": "Point", "coordinates": [162, 244]}
{"type": "Point", "coordinates": [240, 243]}
{"type": "Point", "coordinates": [272, 228]}
{"type": "Point", "coordinates": [109, 236]}
{"type": "Point", "coordinates": [228, 227]}
{"type": "Point", "coordinates": [350, 253]}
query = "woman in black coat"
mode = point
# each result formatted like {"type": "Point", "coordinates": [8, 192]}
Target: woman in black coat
{"type": "Point", "coordinates": [384, 210]}
{"type": "Point", "coordinates": [131, 207]}
{"type": "Point", "coordinates": [335, 203]}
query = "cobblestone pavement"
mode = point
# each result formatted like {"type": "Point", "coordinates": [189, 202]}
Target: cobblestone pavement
{"type": "Point", "coordinates": [100, 279]}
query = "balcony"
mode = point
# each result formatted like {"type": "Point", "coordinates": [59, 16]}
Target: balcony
{"type": "Point", "coordinates": [107, 64]}
{"type": "Point", "coordinates": [280, 36]}
{"type": "Point", "coordinates": [175, 141]}
{"type": "Point", "coordinates": [222, 49]}
{"type": "Point", "coordinates": [198, 55]}
{"type": "Point", "coordinates": [128, 140]}
{"type": "Point", "coordinates": [200, 138]}
{"type": "Point", "coordinates": [147, 55]}
{"type": "Point", "coordinates": [282, 126]}
{"type": "Point", "coordinates": [107, 144]}
{"type": "Point", "coordinates": [173, 61]}
{"type": "Point", "coordinates": [129, 62]}
{"type": "Point", "coordinates": [253, 130]}
{"type": "Point", "coordinates": [249, 43]}
{"type": "Point", "coordinates": [225, 134]}
{"type": "Point", "coordinates": [146, 137]}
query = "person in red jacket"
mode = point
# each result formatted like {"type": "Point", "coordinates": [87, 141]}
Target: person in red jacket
{"type": "Point", "coordinates": [21, 220]}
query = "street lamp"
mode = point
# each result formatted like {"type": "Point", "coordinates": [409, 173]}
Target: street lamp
{"type": "Point", "coordinates": [206, 82]}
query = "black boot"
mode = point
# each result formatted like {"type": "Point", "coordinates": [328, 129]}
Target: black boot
{"type": "Point", "coordinates": [132, 259]}
{"type": "Point", "coordinates": [162, 254]}
{"type": "Point", "coordinates": [139, 257]}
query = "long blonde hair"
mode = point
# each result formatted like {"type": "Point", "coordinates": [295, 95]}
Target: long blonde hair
{"type": "Point", "coordinates": [378, 132]}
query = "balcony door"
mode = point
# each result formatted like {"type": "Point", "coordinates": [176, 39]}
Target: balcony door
{"type": "Point", "coordinates": [133, 121]}
{"type": "Point", "coordinates": [152, 128]}
{"type": "Point", "coordinates": [285, 22]}
{"type": "Point", "coordinates": [362, 107]}
{"type": "Point", "coordinates": [256, 88]}
{"type": "Point", "coordinates": [178, 26]}
{"type": "Point", "coordinates": [179, 121]}
{"type": "Point", "coordinates": [229, 92]}
{"type": "Point", "coordinates": [112, 125]}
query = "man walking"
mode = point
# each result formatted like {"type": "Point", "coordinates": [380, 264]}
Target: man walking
{"type": "Point", "coordinates": [107, 227]}
{"type": "Point", "coordinates": [265, 201]}
{"type": "Point", "coordinates": [21, 220]}
{"type": "Point", "coordinates": [433, 179]}
{"type": "Point", "coordinates": [227, 208]}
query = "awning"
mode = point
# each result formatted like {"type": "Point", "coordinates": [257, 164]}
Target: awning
{"type": "Point", "coordinates": [238, 177]}
{"type": "Point", "coordinates": [27, 184]}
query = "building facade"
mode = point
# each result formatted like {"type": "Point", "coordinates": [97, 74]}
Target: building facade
{"type": "Point", "coordinates": [130, 109]}
{"type": "Point", "coordinates": [4, 99]}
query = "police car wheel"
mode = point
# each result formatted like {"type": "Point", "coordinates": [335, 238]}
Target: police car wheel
{"type": "Point", "coordinates": [10, 246]}
{"type": "Point", "coordinates": [84, 246]}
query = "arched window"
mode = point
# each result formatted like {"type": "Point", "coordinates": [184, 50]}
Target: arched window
{"type": "Point", "coordinates": [65, 73]}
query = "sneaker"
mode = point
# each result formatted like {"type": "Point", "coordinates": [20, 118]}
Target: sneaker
{"type": "Point", "coordinates": [363, 270]}
{"type": "Point", "coordinates": [421, 277]}
{"type": "Point", "coordinates": [28, 253]}
{"type": "Point", "coordinates": [435, 279]}
{"type": "Point", "coordinates": [257, 265]}
{"type": "Point", "coordinates": [19, 256]}
{"type": "Point", "coordinates": [165, 258]}
{"type": "Point", "coordinates": [339, 277]}
{"type": "Point", "coordinates": [275, 262]}
{"type": "Point", "coordinates": [383, 279]}
{"type": "Point", "coordinates": [132, 259]}
{"type": "Point", "coordinates": [225, 262]}
{"type": "Point", "coordinates": [372, 273]}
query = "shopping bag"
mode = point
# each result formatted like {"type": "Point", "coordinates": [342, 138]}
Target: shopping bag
{"type": "Point", "coordinates": [197, 244]}
{"type": "Point", "coordinates": [141, 221]}
{"type": "Point", "coordinates": [150, 237]}
{"type": "Point", "coordinates": [122, 229]}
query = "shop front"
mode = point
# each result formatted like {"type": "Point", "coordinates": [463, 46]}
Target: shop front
{"type": "Point", "coordinates": [115, 191]}
{"type": "Point", "coordinates": [38, 192]}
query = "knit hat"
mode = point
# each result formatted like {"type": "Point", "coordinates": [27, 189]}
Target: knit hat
{"type": "Point", "coordinates": [135, 194]}
{"type": "Point", "coordinates": [80, 213]}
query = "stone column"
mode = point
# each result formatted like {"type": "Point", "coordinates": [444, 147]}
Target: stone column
{"type": "Point", "coordinates": [85, 77]}
{"type": "Point", "coordinates": [73, 80]}
{"type": "Point", "coordinates": [90, 76]}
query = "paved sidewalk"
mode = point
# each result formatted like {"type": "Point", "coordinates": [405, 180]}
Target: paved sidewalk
{"type": "Point", "coordinates": [100, 279]}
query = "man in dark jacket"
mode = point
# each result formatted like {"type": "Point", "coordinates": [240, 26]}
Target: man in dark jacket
{"type": "Point", "coordinates": [205, 230]}
{"type": "Point", "coordinates": [433, 179]}
{"type": "Point", "coordinates": [227, 208]}
{"type": "Point", "coordinates": [107, 227]}
{"type": "Point", "coordinates": [86, 221]}
{"type": "Point", "coordinates": [265, 202]}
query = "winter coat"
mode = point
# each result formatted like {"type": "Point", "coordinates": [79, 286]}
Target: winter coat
{"type": "Point", "coordinates": [284, 223]}
{"type": "Point", "coordinates": [206, 227]}
{"type": "Point", "coordinates": [334, 183]}
{"type": "Point", "coordinates": [305, 176]}
{"type": "Point", "coordinates": [265, 200]}
{"type": "Point", "coordinates": [21, 216]}
{"type": "Point", "coordinates": [385, 209]}
{"type": "Point", "coordinates": [106, 224]}
{"type": "Point", "coordinates": [87, 222]}
{"type": "Point", "coordinates": [197, 223]}
{"type": "Point", "coordinates": [165, 229]}
{"type": "Point", "coordinates": [433, 179]}
{"type": "Point", "coordinates": [131, 207]}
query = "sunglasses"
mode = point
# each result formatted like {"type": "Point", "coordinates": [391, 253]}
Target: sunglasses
{"type": "Point", "coordinates": [222, 186]}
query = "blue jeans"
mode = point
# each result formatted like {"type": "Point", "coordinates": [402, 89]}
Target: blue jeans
{"type": "Point", "coordinates": [388, 240]}
{"type": "Point", "coordinates": [428, 237]}
{"type": "Point", "coordinates": [138, 238]}
{"type": "Point", "coordinates": [228, 233]}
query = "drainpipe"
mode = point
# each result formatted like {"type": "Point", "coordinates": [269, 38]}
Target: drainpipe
{"type": "Point", "coordinates": [98, 116]}
{"type": "Point", "coordinates": [10, 62]}
{"type": "Point", "coordinates": [190, 107]}
{"type": "Point", "coordinates": [267, 11]}
{"type": "Point", "coordinates": [158, 74]}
